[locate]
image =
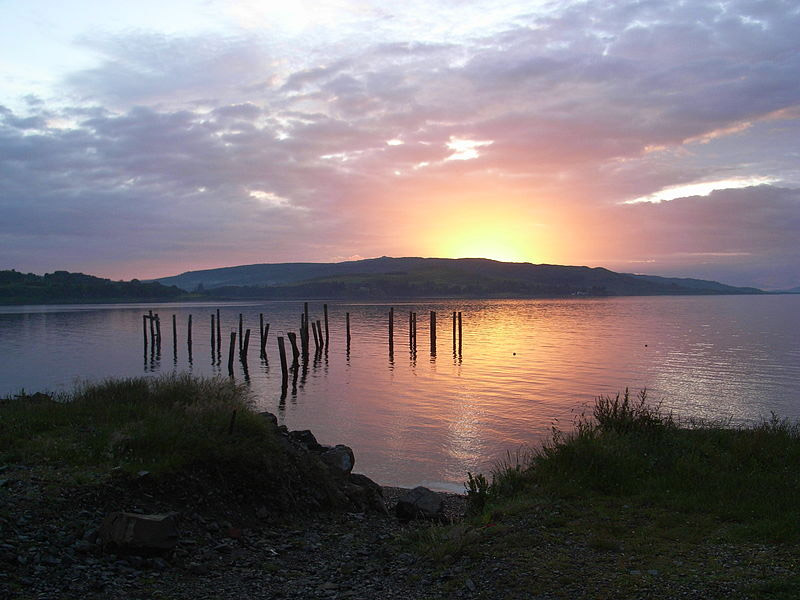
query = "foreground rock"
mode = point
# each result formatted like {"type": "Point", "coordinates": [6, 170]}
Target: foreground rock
{"type": "Point", "coordinates": [340, 458]}
{"type": "Point", "coordinates": [420, 503]}
{"type": "Point", "coordinates": [128, 533]}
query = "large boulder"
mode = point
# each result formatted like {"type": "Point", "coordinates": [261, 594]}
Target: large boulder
{"type": "Point", "coordinates": [144, 534]}
{"type": "Point", "coordinates": [420, 503]}
{"type": "Point", "coordinates": [365, 494]}
{"type": "Point", "coordinates": [340, 459]}
{"type": "Point", "coordinates": [305, 438]}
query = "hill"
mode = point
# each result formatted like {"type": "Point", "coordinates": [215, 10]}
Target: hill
{"type": "Point", "coordinates": [65, 287]}
{"type": "Point", "coordinates": [432, 277]}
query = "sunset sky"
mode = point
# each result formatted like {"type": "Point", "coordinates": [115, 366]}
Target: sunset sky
{"type": "Point", "coordinates": [144, 139]}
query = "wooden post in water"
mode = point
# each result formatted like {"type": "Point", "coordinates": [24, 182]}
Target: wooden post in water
{"type": "Point", "coordinates": [144, 331]}
{"type": "Point", "coordinates": [293, 341]}
{"type": "Point", "coordinates": [152, 328]}
{"type": "Point", "coordinates": [264, 340]}
{"type": "Point", "coordinates": [433, 332]}
{"type": "Point", "coordinates": [158, 332]}
{"type": "Point", "coordinates": [321, 339]}
{"type": "Point", "coordinates": [391, 330]}
{"type": "Point", "coordinates": [189, 334]}
{"type": "Point", "coordinates": [241, 339]}
{"type": "Point", "coordinates": [325, 311]}
{"type": "Point", "coordinates": [454, 331]}
{"type": "Point", "coordinates": [284, 366]}
{"type": "Point", "coordinates": [459, 333]}
{"type": "Point", "coordinates": [231, 350]}
{"type": "Point", "coordinates": [304, 336]}
{"type": "Point", "coordinates": [347, 322]}
{"type": "Point", "coordinates": [174, 337]}
{"type": "Point", "coordinates": [245, 345]}
{"type": "Point", "coordinates": [219, 337]}
{"type": "Point", "coordinates": [261, 330]}
{"type": "Point", "coordinates": [316, 337]}
{"type": "Point", "coordinates": [303, 348]}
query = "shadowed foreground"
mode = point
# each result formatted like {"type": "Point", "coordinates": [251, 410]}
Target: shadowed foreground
{"type": "Point", "coordinates": [629, 505]}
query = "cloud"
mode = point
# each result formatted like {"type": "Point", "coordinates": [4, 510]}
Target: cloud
{"type": "Point", "coordinates": [163, 142]}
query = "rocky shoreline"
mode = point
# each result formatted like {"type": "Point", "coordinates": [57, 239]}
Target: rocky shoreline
{"type": "Point", "coordinates": [323, 532]}
{"type": "Point", "coordinates": [54, 544]}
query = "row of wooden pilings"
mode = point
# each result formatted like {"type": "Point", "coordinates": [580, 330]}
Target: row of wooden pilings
{"type": "Point", "coordinates": [151, 323]}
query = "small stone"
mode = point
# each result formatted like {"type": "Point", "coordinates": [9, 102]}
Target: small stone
{"type": "Point", "coordinates": [328, 587]}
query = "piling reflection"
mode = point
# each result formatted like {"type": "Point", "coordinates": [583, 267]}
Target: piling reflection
{"type": "Point", "coordinates": [530, 362]}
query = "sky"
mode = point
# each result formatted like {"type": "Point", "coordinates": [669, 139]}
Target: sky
{"type": "Point", "coordinates": [145, 139]}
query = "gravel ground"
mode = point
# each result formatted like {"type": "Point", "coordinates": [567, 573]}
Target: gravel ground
{"type": "Point", "coordinates": [49, 550]}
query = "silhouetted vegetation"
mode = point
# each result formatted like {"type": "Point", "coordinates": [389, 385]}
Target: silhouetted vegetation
{"type": "Point", "coordinates": [742, 480]}
{"type": "Point", "coordinates": [65, 287]}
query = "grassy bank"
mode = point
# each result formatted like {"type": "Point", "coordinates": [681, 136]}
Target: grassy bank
{"type": "Point", "coordinates": [157, 424]}
{"type": "Point", "coordinates": [746, 478]}
{"type": "Point", "coordinates": [633, 503]}
{"type": "Point", "coordinates": [188, 435]}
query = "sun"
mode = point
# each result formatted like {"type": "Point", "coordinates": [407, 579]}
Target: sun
{"type": "Point", "coordinates": [503, 241]}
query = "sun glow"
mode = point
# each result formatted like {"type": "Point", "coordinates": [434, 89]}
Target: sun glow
{"type": "Point", "coordinates": [494, 239]}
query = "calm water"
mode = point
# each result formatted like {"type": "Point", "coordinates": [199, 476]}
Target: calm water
{"type": "Point", "coordinates": [423, 419]}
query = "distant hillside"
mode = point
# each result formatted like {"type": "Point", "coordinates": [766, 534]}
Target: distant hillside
{"type": "Point", "coordinates": [700, 286]}
{"type": "Point", "coordinates": [431, 277]}
{"type": "Point", "coordinates": [63, 287]}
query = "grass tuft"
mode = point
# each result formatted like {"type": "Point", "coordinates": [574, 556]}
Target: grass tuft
{"type": "Point", "coordinates": [155, 424]}
{"type": "Point", "coordinates": [744, 479]}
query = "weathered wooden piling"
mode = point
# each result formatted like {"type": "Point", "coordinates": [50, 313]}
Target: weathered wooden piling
{"type": "Point", "coordinates": [213, 341]}
{"type": "Point", "coordinates": [158, 331]}
{"type": "Point", "coordinates": [293, 341]}
{"type": "Point", "coordinates": [459, 332]}
{"type": "Point", "coordinates": [433, 332]}
{"type": "Point", "coordinates": [303, 335]}
{"type": "Point", "coordinates": [260, 330]}
{"type": "Point", "coordinates": [231, 351]}
{"type": "Point", "coordinates": [264, 340]}
{"type": "Point", "coordinates": [316, 336]}
{"type": "Point", "coordinates": [325, 312]}
{"type": "Point", "coordinates": [245, 345]}
{"type": "Point", "coordinates": [189, 331]}
{"type": "Point", "coordinates": [306, 338]}
{"type": "Point", "coordinates": [152, 328]}
{"type": "Point", "coordinates": [144, 331]}
{"type": "Point", "coordinates": [284, 366]}
{"type": "Point", "coordinates": [322, 345]}
{"type": "Point", "coordinates": [347, 322]}
{"type": "Point", "coordinates": [454, 331]}
{"type": "Point", "coordinates": [219, 336]}
{"type": "Point", "coordinates": [391, 330]}
{"type": "Point", "coordinates": [240, 332]}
